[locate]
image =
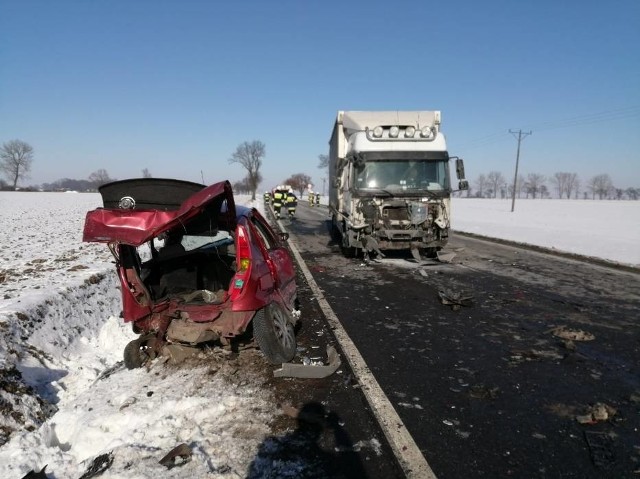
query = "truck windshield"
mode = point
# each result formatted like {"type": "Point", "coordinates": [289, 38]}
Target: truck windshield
{"type": "Point", "coordinates": [398, 175]}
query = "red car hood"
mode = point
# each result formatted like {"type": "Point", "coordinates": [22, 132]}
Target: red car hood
{"type": "Point", "coordinates": [161, 209]}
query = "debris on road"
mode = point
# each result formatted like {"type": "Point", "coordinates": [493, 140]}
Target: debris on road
{"type": "Point", "coordinates": [597, 413]}
{"type": "Point", "coordinates": [445, 257]}
{"type": "Point", "coordinates": [572, 334]}
{"type": "Point", "coordinates": [480, 391]}
{"type": "Point", "coordinates": [455, 299]}
{"type": "Point", "coordinates": [311, 370]}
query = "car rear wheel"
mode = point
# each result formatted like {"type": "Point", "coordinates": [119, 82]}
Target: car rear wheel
{"type": "Point", "coordinates": [275, 334]}
{"type": "Point", "coordinates": [136, 354]}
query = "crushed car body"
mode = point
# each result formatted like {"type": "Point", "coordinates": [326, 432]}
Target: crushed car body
{"type": "Point", "coordinates": [195, 268]}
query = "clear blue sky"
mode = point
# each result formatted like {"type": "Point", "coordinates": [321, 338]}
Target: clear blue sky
{"type": "Point", "coordinates": [176, 86]}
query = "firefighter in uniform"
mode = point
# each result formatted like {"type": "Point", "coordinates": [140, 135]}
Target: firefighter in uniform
{"type": "Point", "coordinates": [278, 198]}
{"type": "Point", "coordinates": [317, 199]}
{"type": "Point", "coordinates": [292, 202]}
{"type": "Point", "coordinates": [311, 196]}
{"type": "Point", "coordinates": [267, 198]}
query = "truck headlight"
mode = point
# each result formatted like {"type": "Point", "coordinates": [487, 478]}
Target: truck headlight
{"type": "Point", "coordinates": [394, 131]}
{"type": "Point", "coordinates": [377, 132]}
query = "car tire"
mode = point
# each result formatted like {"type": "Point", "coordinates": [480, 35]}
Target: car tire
{"type": "Point", "coordinates": [274, 334]}
{"type": "Point", "coordinates": [135, 355]}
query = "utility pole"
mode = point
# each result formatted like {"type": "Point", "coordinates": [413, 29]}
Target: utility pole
{"type": "Point", "coordinates": [323, 182]}
{"type": "Point", "coordinates": [520, 137]}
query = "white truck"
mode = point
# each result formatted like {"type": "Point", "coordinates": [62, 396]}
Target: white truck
{"type": "Point", "coordinates": [389, 182]}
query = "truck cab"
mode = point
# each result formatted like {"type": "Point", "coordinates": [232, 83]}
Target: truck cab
{"type": "Point", "coordinates": [390, 184]}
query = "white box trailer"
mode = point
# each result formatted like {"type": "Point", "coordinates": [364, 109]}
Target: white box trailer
{"type": "Point", "coordinates": [389, 182]}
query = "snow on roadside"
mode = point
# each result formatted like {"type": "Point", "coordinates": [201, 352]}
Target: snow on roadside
{"type": "Point", "coordinates": [61, 337]}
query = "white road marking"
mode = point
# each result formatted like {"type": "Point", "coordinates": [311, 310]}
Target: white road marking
{"type": "Point", "coordinates": [404, 447]}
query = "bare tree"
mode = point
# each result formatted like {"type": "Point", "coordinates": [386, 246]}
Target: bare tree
{"type": "Point", "coordinates": [559, 179]}
{"type": "Point", "coordinates": [520, 184]}
{"type": "Point", "coordinates": [16, 157]}
{"type": "Point", "coordinates": [482, 184]}
{"type": "Point", "coordinates": [600, 185]}
{"type": "Point", "coordinates": [544, 191]}
{"type": "Point", "coordinates": [533, 184]}
{"type": "Point", "coordinates": [573, 184]}
{"type": "Point", "coordinates": [249, 155]}
{"type": "Point", "coordinates": [323, 161]}
{"type": "Point", "coordinates": [495, 180]}
{"type": "Point", "coordinates": [146, 173]}
{"type": "Point", "coordinates": [633, 193]}
{"type": "Point", "coordinates": [241, 187]}
{"type": "Point", "coordinates": [299, 182]}
{"type": "Point", "coordinates": [100, 177]}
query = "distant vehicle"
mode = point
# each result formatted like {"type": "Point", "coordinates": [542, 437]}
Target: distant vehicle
{"type": "Point", "coordinates": [195, 268]}
{"type": "Point", "coordinates": [389, 185]}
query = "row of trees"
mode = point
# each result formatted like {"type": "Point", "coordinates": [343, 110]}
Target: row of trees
{"type": "Point", "coordinates": [559, 185]}
{"type": "Point", "coordinates": [16, 159]}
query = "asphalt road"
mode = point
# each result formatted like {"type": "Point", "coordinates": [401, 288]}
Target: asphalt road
{"type": "Point", "coordinates": [537, 377]}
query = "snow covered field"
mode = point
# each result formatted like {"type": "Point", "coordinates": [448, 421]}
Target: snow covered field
{"type": "Point", "coordinates": [608, 230]}
{"type": "Point", "coordinates": [60, 336]}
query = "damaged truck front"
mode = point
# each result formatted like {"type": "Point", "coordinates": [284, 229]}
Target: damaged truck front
{"type": "Point", "coordinates": [389, 185]}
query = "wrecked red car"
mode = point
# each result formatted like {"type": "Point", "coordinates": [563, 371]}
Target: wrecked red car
{"type": "Point", "coordinates": [195, 268]}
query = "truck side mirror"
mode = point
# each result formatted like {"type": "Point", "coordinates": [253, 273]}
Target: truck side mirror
{"type": "Point", "coordinates": [463, 185]}
{"type": "Point", "coordinates": [460, 168]}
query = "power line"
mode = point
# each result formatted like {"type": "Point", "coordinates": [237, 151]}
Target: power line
{"type": "Point", "coordinates": [581, 120]}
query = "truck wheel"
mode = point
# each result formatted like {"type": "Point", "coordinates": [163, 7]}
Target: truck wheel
{"type": "Point", "coordinates": [334, 230]}
{"type": "Point", "coordinates": [274, 334]}
{"type": "Point", "coordinates": [135, 354]}
{"type": "Point", "coordinates": [347, 250]}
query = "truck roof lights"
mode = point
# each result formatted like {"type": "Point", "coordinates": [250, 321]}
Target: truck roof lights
{"type": "Point", "coordinates": [426, 132]}
{"type": "Point", "coordinates": [409, 132]}
{"type": "Point", "coordinates": [394, 131]}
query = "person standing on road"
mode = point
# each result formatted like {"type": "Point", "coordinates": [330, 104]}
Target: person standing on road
{"type": "Point", "coordinates": [278, 198]}
{"type": "Point", "coordinates": [311, 198]}
{"type": "Point", "coordinates": [292, 202]}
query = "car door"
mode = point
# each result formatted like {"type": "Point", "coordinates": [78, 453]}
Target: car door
{"type": "Point", "coordinates": [281, 263]}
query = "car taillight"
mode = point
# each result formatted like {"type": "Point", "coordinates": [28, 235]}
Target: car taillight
{"type": "Point", "coordinates": [243, 262]}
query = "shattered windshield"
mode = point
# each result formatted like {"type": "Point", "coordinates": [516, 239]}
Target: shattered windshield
{"type": "Point", "coordinates": [402, 174]}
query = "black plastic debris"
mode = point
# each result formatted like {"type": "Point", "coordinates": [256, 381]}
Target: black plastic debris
{"type": "Point", "coordinates": [35, 475]}
{"type": "Point", "coordinates": [99, 464]}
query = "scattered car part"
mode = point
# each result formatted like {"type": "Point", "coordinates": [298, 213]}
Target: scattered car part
{"type": "Point", "coordinates": [292, 370]}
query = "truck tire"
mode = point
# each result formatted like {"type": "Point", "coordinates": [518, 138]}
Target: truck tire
{"type": "Point", "coordinates": [274, 334]}
{"type": "Point", "coordinates": [336, 237]}
{"type": "Point", "coordinates": [347, 250]}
